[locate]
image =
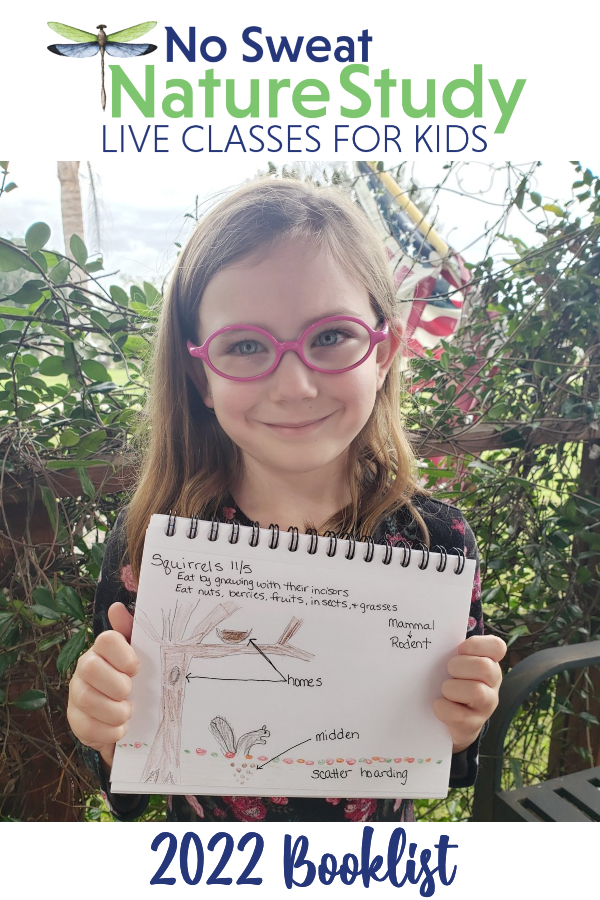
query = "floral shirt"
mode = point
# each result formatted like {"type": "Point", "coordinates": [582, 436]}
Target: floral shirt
{"type": "Point", "coordinates": [448, 528]}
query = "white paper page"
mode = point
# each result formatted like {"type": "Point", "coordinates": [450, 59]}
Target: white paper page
{"type": "Point", "coordinates": [313, 675]}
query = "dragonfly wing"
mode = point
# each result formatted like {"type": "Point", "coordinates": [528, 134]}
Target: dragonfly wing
{"type": "Point", "coordinates": [76, 51]}
{"type": "Point", "coordinates": [129, 34]}
{"type": "Point", "coordinates": [114, 48]}
{"type": "Point", "coordinates": [74, 34]}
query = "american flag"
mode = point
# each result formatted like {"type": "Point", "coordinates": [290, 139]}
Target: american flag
{"type": "Point", "coordinates": [432, 281]}
{"type": "Point", "coordinates": [426, 271]}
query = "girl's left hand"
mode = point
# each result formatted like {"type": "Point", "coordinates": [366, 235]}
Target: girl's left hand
{"type": "Point", "coordinates": [471, 694]}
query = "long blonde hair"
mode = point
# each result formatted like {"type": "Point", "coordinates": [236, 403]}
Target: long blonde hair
{"type": "Point", "coordinates": [184, 459]}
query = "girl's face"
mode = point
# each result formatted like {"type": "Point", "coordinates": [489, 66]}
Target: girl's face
{"type": "Point", "coordinates": [284, 292]}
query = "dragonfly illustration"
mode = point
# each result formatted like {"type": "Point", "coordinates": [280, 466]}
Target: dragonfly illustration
{"type": "Point", "coordinates": [89, 44]}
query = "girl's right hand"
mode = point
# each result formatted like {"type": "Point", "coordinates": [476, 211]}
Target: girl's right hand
{"type": "Point", "coordinates": [98, 708]}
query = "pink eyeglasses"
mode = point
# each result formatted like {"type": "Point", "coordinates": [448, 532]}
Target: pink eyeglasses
{"type": "Point", "coordinates": [246, 352]}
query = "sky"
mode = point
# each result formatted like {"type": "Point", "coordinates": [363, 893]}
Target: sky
{"type": "Point", "coordinates": [142, 205]}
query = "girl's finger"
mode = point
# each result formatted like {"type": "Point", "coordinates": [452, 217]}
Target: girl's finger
{"type": "Point", "coordinates": [90, 731]}
{"type": "Point", "coordinates": [97, 672]}
{"type": "Point", "coordinates": [460, 719]}
{"type": "Point", "coordinates": [113, 647]}
{"type": "Point", "coordinates": [484, 645]}
{"type": "Point", "coordinates": [91, 702]}
{"type": "Point", "coordinates": [474, 694]}
{"type": "Point", "coordinates": [120, 619]}
{"type": "Point", "coordinates": [476, 668]}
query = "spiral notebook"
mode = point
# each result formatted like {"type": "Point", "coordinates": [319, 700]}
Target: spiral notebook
{"type": "Point", "coordinates": [289, 664]}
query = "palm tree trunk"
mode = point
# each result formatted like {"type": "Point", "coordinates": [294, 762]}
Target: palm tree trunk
{"type": "Point", "coordinates": [70, 200]}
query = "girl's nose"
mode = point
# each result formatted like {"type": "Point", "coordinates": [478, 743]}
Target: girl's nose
{"type": "Point", "coordinates": [292, 379]}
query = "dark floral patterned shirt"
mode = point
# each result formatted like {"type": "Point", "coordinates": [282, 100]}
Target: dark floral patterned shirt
{"type": "Point", "coordinates": [448, 528]}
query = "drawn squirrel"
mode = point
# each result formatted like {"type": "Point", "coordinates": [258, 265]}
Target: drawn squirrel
{"type": "Point", "coordinates": [223, 733]}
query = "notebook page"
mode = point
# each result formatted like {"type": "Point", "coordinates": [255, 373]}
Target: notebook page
{"type": "Point", "coordinates": [278, 673]}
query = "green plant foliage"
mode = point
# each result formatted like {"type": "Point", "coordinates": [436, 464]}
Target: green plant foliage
{"type": "Point", "coordinates": [71, 389]}
{"type": "Point", "coordinates": [73, 355]}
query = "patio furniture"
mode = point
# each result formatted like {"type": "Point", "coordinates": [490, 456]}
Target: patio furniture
{"type": "Point", "coordinates": [572, 798]}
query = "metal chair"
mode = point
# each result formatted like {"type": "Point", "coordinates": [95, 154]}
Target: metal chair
{"type": "Point", "coordinates": [572, 798]}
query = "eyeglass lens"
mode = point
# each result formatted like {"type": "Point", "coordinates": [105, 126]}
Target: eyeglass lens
{"type": "Point", "coordinates": [334, 345]}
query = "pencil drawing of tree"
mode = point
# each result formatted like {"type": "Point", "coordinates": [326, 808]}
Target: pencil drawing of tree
{"type": "Point", "coordinates": [176, 653]}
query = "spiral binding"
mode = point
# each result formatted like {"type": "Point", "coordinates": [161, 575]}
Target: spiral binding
{"type": "Point", "coordinates": [331, 536]}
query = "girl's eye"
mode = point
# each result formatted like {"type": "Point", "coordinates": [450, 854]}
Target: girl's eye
{"type": "Point", "coordinates": [331, 338]}
{"type": "Point", "coordinates": [245, 348]}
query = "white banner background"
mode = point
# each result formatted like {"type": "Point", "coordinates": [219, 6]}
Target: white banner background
{"type": "Point", "coordinates": [51, 105]}
{"type": "Point", "coordinates": [492, 860]}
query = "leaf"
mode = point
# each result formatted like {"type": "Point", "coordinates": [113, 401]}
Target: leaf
{"type": "Point", "coordinates": [43, 596]}
{"type": "Point", "coordinates": [68, 438]}
{"type": "Point", "coordinates": [135, 344]}
{"type": "Point", "coordinates": [52, 365]}
{"type": "Point", "coordinates": [152, 293]}
{"type": "Point", "coordinates": [558, 582]}
{"type": "Point", "coordinates": [71, 651]}
{"type": "Point", "coordinates": [47, 642]}
{"type": "Point", "coordinates": [68, 599]}
{"type": "Point", "coordinates": [99, 319]}
{"type": "Point", "coordinates": [520, 195]}
{"type": "Point", "coordinates": [536, 198]}
{"type": "Point", "coordinates": [86, 483]}
{"type": "Point", "coordinates": [119, 295]}
{"type": "Point", "coordinates": [4, 166]}
{"type": "Point", "coordinates": [30, 700]}
{"type": "Point", "coordinates": [104, 387]}
{"type": "Point", "coordinates": [56, 332]}
{"type": "Point", "coordinates": [12, 259]}
{"type": "Point", "coordinates": [7, 659]}
{"type": "Point", "coordinates": [6, 619]}
{"type": "Point", "coordinates": [57, 464]}
{"type": "Point", "coordinates": [92, 441]}
{"type": "Point", "coordinates": [37, 236]}
{"type": "Point", "coordinates": [137, 294]}
{"type": "Point", "coordinates": [94, 370]}
{"type": "Point", "coordinates": [515, 767]}
{"type": "Point", "coordinates": [516, 633]}
{"type": "Point", "coordinates": [10, 187]}
{"type": "Point", "coordinates": [40, 259]}
{"type": "Point", "coordinates": [553, 208]}
{"type": "Point", "coordinates": [97, 552]}
{"type": "Point", "coordinates": [50, 504]}
{"type": "Point", "coordinates": [78, 249]}
{"type": "Point", "coordinates": [30, 292]}
{"type": "Point", "coordinates": [60, 272]}
{"type": "Point", "coordinates": [44, 612]}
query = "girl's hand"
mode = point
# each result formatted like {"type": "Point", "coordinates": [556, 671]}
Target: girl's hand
{"type": "Point", "coordinates": [471, 695]}
{"type": "Point", "coordinates": [98, 709]}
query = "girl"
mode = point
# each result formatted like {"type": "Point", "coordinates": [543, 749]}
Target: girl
{"type": "Point", "coordinates": [237, 430]}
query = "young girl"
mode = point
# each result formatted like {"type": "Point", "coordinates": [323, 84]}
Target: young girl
{"type": "Point", "coordinates": [239, 429]}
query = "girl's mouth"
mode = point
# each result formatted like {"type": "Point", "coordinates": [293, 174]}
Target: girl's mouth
{"type": "Point", "coordinates": [297, 429]}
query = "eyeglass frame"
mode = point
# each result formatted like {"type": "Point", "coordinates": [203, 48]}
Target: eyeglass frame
{"type": "Point", "coordinates": [375, 337]}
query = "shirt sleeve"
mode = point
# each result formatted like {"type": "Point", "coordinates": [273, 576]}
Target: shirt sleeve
{"type": "Point", "coordinates": [115, 584]}
{"type": "Point", "coordinates": [463, 769]}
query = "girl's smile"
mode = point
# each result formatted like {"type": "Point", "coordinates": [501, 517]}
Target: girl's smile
{"type": "Point", "coordinates": [289, 428]}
